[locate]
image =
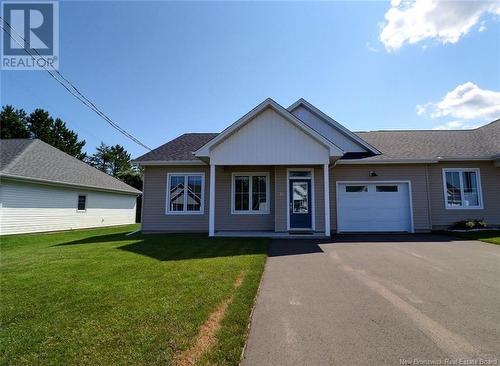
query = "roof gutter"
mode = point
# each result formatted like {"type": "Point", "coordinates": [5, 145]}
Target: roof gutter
{"type": "Point", "coordinates": [64, 184]}
{"type": "Point", "coordinates": [387, 161]}
{"type": "Point", "coordinates": [415, 161]}
{"type": "Point", "coordinates": [167, 162]}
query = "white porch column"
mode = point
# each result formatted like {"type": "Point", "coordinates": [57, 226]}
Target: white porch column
{"type": "Point", "coordinates": [326, 186]}
{"type": "Point", "coordinates": [211, 202]}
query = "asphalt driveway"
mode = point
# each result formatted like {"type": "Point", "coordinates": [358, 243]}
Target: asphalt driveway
{"type": "Point", "coordinates": [377, 300]}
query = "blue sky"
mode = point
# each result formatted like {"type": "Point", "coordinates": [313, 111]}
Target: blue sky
{"type": "Point", "coordinates": [160, 69]}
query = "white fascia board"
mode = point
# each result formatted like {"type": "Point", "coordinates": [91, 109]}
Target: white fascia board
{"type": "Point", "coordinates": [412, 161]}
{"type": "Point", "coordinates": [465, 158]}
{"type": "Point", "coordinates": [63, 184]}
{"type": "Point", "coordinates": [168, 162]}
{"type": "Point", "coordinates": [334, 123]}
{"type": "Point", "coordinates": [204, 151]}
{"type": "Point", "coordinates": [388, 161]}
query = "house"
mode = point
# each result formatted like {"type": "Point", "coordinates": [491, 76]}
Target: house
{"type": "Point", "coordinates": [45, 189]}
{"type": "Point", "coordinates": [296, 170]}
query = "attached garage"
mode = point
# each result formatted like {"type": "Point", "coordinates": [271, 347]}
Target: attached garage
{"type": "Point", "coordinates": [374, 206]}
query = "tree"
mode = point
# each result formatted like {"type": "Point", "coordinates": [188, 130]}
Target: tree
{"type": "Point", "coordinates": [133, 177]}
{"type": "Point", "coordinates": [13, 123]}
{"type": "Point", "coordinates": [67, 140]}
{"type": "Point", "coordinates": [40, 125]}
{"type": "Point", "coordinates": [111, 159]}
{"type": "Point", "coordinates": [54, 132]}
{"type": "Point", "coordinates": [101, 159]}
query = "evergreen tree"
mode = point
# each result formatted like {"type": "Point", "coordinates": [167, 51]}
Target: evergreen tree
{"type": "Point", "coordinates": [13, 123]}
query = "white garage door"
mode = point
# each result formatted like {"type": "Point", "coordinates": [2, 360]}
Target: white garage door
{"type": "Point", "coordinates": [373, 207]}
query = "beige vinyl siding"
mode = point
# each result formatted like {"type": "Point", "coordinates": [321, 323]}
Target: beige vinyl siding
{"type": "Point", "coordinates": [29, 207]}
{"type": "Point", "coordinates": [490, 187]}
{"type": "Point", "coordinates": [269, 139]}
{"type": "Point", "coordinates": [224, 219]}
{"type": "Point", "coordinates": [280, 202]}
{"type": "Point", "coordinates": [154, 217]}
{"type": "Point", "coordinates": [416, 174]}
{"type": "Point", "coordinates": [319, 200]}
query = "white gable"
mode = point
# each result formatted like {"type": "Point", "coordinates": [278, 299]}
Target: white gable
{"type": "Point", "coordinates": [328, 130]}
{"type": "Point", "coordinates": [269, 139]}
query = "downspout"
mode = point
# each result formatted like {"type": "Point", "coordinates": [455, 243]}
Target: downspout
{"type": "Point", "coordinates": [143, 203]}
{"type": "Point", "coordinates": [429, 210]}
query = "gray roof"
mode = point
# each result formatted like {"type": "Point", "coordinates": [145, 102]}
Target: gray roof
{"type": "Point", "coordinates": [482, 142]}
{"type": "Point", "coordinates": [38, 161]}
{"type": "Point", "coordinates": [180, 148]}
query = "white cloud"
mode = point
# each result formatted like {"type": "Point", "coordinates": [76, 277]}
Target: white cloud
{"type": "Point", "coordinates": [421, 109]}
{"type": "Point", "coordinates": [456, 125]}
{"type": "Point", "coordinates": [412, 21]}
{"type": "Point", "coordinates": [464, 103]}
{"type": "Point", "coordinates": [482, 27]}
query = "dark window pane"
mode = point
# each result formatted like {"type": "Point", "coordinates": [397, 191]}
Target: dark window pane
{"type": "Point", "coordinates": [82, 203]}
{"type": "Point", "coordinates": [259, 199]}
{"type": "Point", "coordinates": [300, 174]}
{"type": "Point", "coordinates": [194, 193]}
{"type": "Point", "coordinates": [387, 188]}
{"type": "Point", "coordinates": [300, 202]}
{"type": "Point", "coordinates": [453, 195]}
{"type": "Point", "coordinates": [241, 193]}
{"type": "Point", "coordinates": [177, 183]}
{"type": "Point", "coordinates": [353, 189]}
{"type": "Point", "coordinates": [471, 193]}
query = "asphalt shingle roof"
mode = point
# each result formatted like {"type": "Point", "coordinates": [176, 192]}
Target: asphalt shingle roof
{"type": "Point", "coordinates": [37, 160]}
{"type": "Point", "coordinates": [478, 143]}
{"type": "Point", "coordinates": [180, 148]}
{"type": "Point", "coordinates": [405, 144]}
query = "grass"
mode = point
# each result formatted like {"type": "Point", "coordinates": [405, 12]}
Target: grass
{"type": "Point", "coordinates": [98, 297]}
{"type": "Point", "coordinates": [488, 236]}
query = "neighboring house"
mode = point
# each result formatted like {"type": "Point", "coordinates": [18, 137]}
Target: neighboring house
{"type": "Point", "coordinates": [45, 189]}
{"type": "Point", "coordinates": [297, 170]}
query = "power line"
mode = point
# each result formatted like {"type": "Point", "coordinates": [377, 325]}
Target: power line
{"type": "Point", "coordinates": [72, 89]}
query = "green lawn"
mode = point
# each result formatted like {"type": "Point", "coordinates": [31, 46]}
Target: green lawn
{"type": "Point", "coordinates": [98, 297]}
{"type": "Point", "coordinates": [488, 236]}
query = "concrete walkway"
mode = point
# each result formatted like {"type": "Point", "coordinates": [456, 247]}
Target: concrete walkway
{"type": "Point", "coordinates": [377, 300]}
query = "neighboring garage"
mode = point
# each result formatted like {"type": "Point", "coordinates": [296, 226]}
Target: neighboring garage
{"type": "Point", "coordinates": [375, 206]}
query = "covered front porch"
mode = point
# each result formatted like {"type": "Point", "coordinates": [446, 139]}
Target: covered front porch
{"type": "Point", "coordinates": [286, 159]}
{"type": "Point", "coordinates": [279, 201]}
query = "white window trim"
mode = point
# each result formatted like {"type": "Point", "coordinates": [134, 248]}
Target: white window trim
{"type": "Point", "coordinates": [77, 201]}
{"type": "Point", "coordinates": [479, 189]}
{"type": "Point", "coordinates": [185, 212]}
{"type": "Point", "coordinates": [268, 196]}
{"type": "Point", "coordinates": [313, 199]}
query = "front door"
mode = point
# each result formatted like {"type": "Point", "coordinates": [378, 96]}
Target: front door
{"type": "Point", "coordinates": [300, 209]}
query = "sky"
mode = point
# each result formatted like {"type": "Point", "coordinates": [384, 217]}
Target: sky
{"type": "Point", "coordinates": [160, 69]}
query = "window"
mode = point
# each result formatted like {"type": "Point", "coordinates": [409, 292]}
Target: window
{"type": "Point", "coordinates": [250, 193]}
{"type": "Point", "coordinates": [82, 202]}
{"type": "Point", "coordinates": [300, 174]}
{"type": "Point", "coordinates": [300, 201]}
{"type": "Point", "coordinates": [386, 188]}
{"type": "Point", "coordinates": [185, 193]}
{"type": "Point", "coordinates": [462, 188]}
{"type": "Point", "coordinates": [355, 189]}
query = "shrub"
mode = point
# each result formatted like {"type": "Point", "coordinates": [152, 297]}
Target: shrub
{"type": "Point", "coordinates": [468, 224]}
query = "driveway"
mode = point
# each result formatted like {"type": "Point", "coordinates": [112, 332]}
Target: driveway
{"type": "Point", "coordinates": [377, 300]}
